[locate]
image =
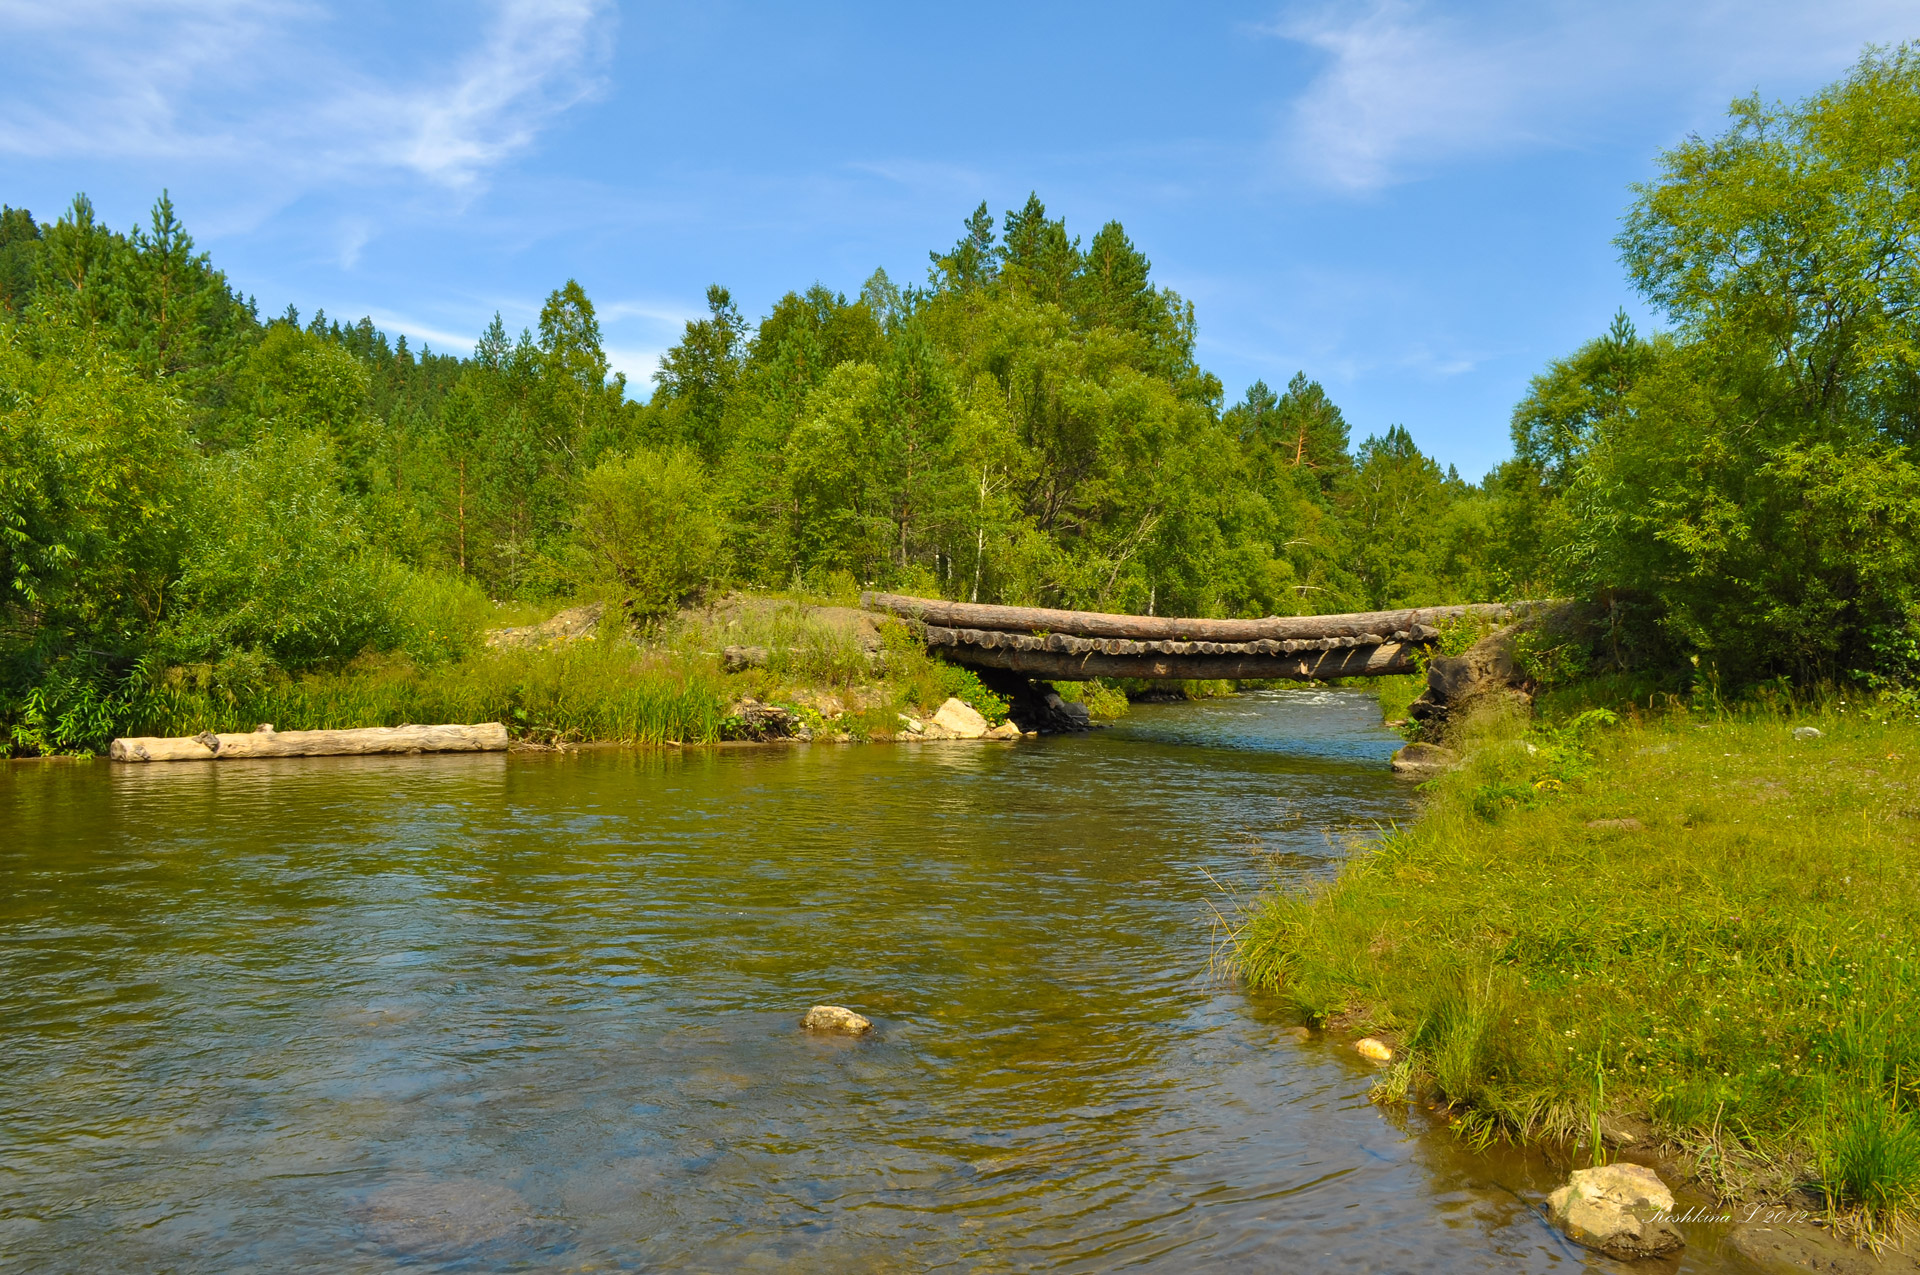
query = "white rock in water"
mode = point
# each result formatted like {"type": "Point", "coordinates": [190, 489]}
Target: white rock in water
{"type": "Point", "coordinates": [833, 1018]}
{"type": "Point", "coordinates": [958, 720]}
{"type": "Point", "coordinates": [1373, 1049]}
{"type": "Point", "coordinates": [1619, 1209]}
{"type": "Point", "coordinates": [1807, 732]}
{"type": "Point", "coordinates": [1005, 730]}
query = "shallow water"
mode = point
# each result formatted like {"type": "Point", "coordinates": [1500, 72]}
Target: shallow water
{"type": "Point", "coordinates": [540, 1012]}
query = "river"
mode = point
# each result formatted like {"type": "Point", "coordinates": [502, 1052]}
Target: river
{"type": "Point", "coordinates": [539, 1011]}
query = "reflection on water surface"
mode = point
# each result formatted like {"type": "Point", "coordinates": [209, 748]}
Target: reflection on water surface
{"type": "Point", "coordinates": [539, 1012]}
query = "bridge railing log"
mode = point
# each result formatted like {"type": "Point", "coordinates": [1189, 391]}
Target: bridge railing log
{"type": "Point", "coordinates": [1415, 624]}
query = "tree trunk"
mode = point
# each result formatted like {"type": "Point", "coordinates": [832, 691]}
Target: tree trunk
{"type": "Point", "coordinates": [487, 737]}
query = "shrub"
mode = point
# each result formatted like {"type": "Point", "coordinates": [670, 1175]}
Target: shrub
{"type": "Point", "coordinates": [647, 523]}
{"type": "Point", "coordinates": [276, 561]}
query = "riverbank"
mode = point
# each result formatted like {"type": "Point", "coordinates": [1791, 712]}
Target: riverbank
{"type": "Point", "coordinates": [587, 676]}
{"type": "Point", "coordinates": [1678, 928]}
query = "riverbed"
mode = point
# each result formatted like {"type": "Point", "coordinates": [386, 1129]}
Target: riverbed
{"type": "Point", "coordinates": [540, 1011]}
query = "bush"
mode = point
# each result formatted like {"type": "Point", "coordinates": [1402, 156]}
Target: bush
{"type": "Point", "coordinates": [276, 561]}
{"type": "Point", "coordinates": [647, 523]}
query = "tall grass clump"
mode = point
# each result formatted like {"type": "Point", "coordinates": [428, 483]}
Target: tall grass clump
{"type": "Point", "coordinates": [580, 691]}
{"type": "Point", "coordinates": [1689, 916]}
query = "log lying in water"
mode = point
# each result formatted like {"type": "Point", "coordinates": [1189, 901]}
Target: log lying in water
{"type": "Point", "coordinates": [487, 737]}
{"type": "Point", "coordinates": [1050, 658]}
{"type": "Point", "coordinates": [1377, 626]}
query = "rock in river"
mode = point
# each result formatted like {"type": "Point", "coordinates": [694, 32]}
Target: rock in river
{"type": "Point", "coordinates": [835, 1020]}
{"type": "Point", "coordinates": [1423, 761]}
{"type": "Point", "coordinates": [956, 720]}
{"type": "Point", "coordinates": [1618, 1209]}
{"type": "Point", "coordinates": [1373, 1049]}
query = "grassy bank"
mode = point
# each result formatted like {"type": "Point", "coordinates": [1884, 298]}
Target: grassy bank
{"type": "Point", "coordinates": [1695, 918]}
{"type": "Point", "coordinates": [841, 673]}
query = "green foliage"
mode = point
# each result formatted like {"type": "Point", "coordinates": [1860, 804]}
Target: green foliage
{"type": "Point", "coordinates": [1752, 475]}
{"type": "Point", "coordinates": [279, 562]}
{"type": "Point", "coordinates": [646, 525]}
{"type": "Point", "coordinates": [1105, 702]}
{"type": "Point", "coordinates": [956, 681]}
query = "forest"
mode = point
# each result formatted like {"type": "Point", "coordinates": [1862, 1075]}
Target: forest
{"type": "Point", "coordinates": [185, 484]}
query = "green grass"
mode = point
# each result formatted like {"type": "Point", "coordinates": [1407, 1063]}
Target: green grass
{"type": "Point", "coordinates": [1741, 967]}
{"type": "Point", "coordinates": [576, 692]}
{"type": "Point", "coordinates": [670, 689]}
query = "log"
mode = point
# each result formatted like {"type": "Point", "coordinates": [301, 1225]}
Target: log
{"type": "Point", "coordinates": [1062, 644]}
{"type": "Point", "coordinates": [487, 737]}
{"type": "Point", "coordinates": [1377, 625]}
{"type": "Point", "coordinates": [1376, 660]}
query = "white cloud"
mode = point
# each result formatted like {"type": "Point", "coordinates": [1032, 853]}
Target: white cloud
{"type": "Point", "coordinates": [664, 314]}
{"type": "Point", "coordinates": [638, 364]}
{"type": "Point", "coordinates": [279, 91]}
{"type": "Point", "coordinates": [443, 341]}
{"type": "Point", "coordinates": [1406, 86]}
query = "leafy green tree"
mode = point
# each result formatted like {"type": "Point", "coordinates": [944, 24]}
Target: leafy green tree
{"type": "Point", "coordinates": [280, 564]}
{"type": "Point", "coordinates": [1759, 482]}
{"type": "Point", "coordinates": [647, 523]}
{"type": "Point", "coordinates": [77, 265]}
{"type": "Point", "coordinates": [972, 262]}
{"type": "Point", "coordinates": [696, 377]}
{"type": "Point", "coordinates": [1036, 254]}
{"type": "Point", "coordinates": [19, 254]}
{"type": "Point", "coordinates": [1395, 499]}
{"type": "Point", "coordinates": [293, 382]}
{"type": "Point", "coordinates": [91, 460]}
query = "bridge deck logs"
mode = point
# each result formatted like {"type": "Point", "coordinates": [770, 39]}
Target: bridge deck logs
{"type": "Point", "coordinates": [1061, 658]}
{"type": "Point", "coordinates": [1378, 626]}
{"type": "Point", "coordinates": [1077, 645]}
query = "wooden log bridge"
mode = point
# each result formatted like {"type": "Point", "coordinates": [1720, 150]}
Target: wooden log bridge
{"type": "Point", "coordinates": [487, 737]}
{"type": "Point", "coordinates": [1079, 645]}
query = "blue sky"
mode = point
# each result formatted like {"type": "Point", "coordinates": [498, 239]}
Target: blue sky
{"type": "Point", "coordinates": [1413, 203]}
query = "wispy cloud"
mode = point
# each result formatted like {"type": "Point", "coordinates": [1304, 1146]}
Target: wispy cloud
{"type": "Point", "coordinates": [1405, 87]}
{"type": "Point", "coordinates": [284, 91]}
{"type": "Point", "coordinates": [538, 58]}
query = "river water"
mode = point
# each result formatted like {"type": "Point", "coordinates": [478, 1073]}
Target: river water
{"type": "Point", "coordinates": [540, 1012]}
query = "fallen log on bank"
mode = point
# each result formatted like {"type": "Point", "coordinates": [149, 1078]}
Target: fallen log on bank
{"type": "Point", "coordinates": [486, 737]}
{"type": "Point", "coordinates": [1416, 624]}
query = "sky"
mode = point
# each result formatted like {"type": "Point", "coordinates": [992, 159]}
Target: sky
{"type": "Point", "coordinates": [1412, 203]}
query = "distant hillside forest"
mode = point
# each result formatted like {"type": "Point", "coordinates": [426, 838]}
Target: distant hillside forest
{"type": "Point", "coordinates": [184, 482]}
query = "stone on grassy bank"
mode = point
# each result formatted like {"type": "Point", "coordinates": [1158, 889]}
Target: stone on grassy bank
{"type": "Point", "coordinates": [753, 720]}
{"type": "Point", "coordinates": [1617, 1209]}
{"type": "Point", "coordinates": [1373, 1049]}
{"type": "Point", "coordinates": [737, 659]}
{"type": "Point", "coordinates": [836, 1020]}
{"type": "Point", "coordinates": [1484, 673]}
{"type": "Point", "coordinates": [1807, 732]}
{"type": "Point", "coordinates": [570, 625]}
{"type": "Point", "coordinates": [1423, 761]}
